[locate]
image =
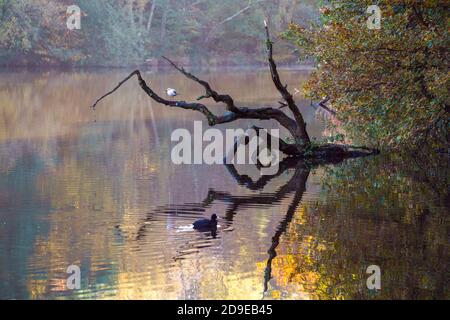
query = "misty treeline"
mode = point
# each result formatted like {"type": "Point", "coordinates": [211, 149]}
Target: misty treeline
{"type": "Point", "coordinates": [137, 32]}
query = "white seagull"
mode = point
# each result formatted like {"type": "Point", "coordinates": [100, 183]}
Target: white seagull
{"type": "Point", "coordinates": [171, 92]}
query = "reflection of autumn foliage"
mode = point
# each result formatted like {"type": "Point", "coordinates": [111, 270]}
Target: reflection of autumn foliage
{"type": "Point", "coordinates": [330, 243]}
{"type": "Point", "coordinates": [299, 270]}
{"type": "Point", "coordinates": [73, 182]}
{"type": "Point", "coordinates": [297, 266]}
{"type": "Point", "coordinates": [49, 104]}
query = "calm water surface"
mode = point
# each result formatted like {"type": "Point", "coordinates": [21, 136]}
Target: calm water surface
{"type": "Point", "coordinates": [98, 190]}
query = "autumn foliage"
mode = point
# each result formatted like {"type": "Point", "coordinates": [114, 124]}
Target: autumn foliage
{"type": "Point", "coordinates": [388, 85]}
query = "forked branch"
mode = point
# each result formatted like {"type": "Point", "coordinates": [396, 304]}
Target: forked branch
{"type": "Point", "coordinates": [265, 113]}
{"type": "Point", "coordinates": [296, 126]}
{"type": "Point", "coordinates": [210, 93]}
{"type": "Point", "coordinates": [212, 119]}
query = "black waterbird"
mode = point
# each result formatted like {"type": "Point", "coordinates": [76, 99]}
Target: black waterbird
{"type": "Point", "coordinates": [206, 224]}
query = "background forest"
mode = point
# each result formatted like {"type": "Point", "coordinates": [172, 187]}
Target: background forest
{"type": "Point", "coordinates": [135, 32]}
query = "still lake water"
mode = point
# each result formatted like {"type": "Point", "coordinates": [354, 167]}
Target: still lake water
{"type": "Point", "coordinates": [98, 190]}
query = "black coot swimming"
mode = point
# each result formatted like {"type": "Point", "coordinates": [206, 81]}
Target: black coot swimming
{"type": "Point", "coordinates": [206, 223]}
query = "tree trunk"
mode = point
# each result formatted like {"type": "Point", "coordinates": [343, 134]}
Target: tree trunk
{"type": "Point", "coordinates": [163, 24]}
{"type": "Point", "coordinates": [150, 18]}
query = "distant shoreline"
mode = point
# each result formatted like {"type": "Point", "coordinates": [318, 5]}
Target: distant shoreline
{"type": "Point", "coordinates": [243, 67]}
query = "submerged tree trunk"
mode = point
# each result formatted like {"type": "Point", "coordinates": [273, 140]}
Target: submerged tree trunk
{"type": "Point", "coordinates": [296, 126]}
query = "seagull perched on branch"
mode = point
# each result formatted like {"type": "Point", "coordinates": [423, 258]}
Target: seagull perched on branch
{"type": "Point", "coordinates": [171, 92]}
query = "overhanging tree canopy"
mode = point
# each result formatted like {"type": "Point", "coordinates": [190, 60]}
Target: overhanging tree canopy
{"type": "Point", "coordinates": [389, 86]}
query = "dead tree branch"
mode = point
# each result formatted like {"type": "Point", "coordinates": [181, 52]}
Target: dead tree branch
{"type": "Point", "coordinates": [322, 105]}
{"type": "Point", "coordinates": [233, 113]}
{"type": "Point", "coordinates": [296, 126]}
{"type": "Point", "coordinates": [210, 93]}
{"type": "Point", "coordinates": [301, 135]}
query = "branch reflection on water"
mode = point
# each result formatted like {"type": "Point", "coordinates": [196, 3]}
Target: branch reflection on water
{"type": "Point", "coordinates": [343, 180]}
{"type": "Point", "coordinates": [296, 185]}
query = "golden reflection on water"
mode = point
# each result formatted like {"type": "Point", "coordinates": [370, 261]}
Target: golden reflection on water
{"type": "Point", "coordinates": [46, 104]}
{"type": "Point", "coordinates": [104, 195]}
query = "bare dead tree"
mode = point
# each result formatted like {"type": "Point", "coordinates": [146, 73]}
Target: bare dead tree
{"type": "Point", "coordinates": [301, 147]}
